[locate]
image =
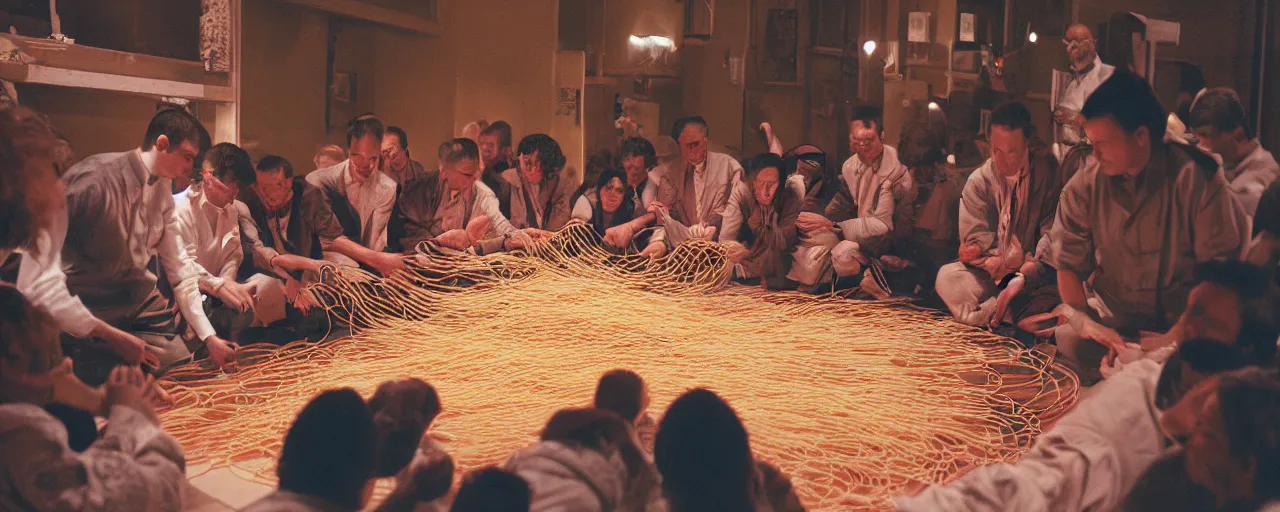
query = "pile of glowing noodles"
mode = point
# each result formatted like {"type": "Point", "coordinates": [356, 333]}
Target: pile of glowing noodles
{"type": "Point", "coordinates": [856, 401]}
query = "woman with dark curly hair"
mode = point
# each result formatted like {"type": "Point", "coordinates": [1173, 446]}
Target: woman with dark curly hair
{"type": "Point", "coordinates": [538, 193]}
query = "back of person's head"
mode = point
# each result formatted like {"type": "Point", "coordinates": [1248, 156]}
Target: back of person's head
{"type": "Point", "coordinates": [365, 125]}
{"type": "Point", "coordinates": [459, 149]}
{"type": "Point", "coordinates": [1222, 110]}
{"type": "Point", "coordinates": [177, 126]}
{"type": "Point", "coordinates": [1249, 400]}
{"type": "Point", "coordinates": [869, 116]}
{"type": "Point", "coordinates": [1014, 116]}
{"type": "Point", "coordinates": [620, 391]}
{"type": "Point", "coordinates": [1128, 99]}
{"type": "Point", "coordinates": [598, 429]}
{"type": "Point", "coordinates": [402, 412]}
{"type": "Point", "coordinates": [28, 180]}
{"type": "Point", "coordinates": [681, 124]}
{"type": "Point", "coordinates": [29, 347]}
{"type": "Point", "coordinates": [704, 456]}
{"type": "Point", "coordinates": [641, 147]}
{"type": "Point", "coordinates": [275, 163]}
{"type": "Point", "coordinates": [502, 130]}
{"type": "Point", "coordinates": [229, 164]}
{"type": "Point", "coordinates": [329, 451]}
{"type": "Point", "coordinates": [331, 152]}
{"type": "Point", "coordinates": [400, 135]}
{"type": "Point", "coordinates": [548, 150]}
{"type": "Point", "coordinates": [1259, 304]}
{"type": "Point", "coordinates": [493, 490]}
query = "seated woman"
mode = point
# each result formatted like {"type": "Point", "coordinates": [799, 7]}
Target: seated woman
{"type": "Point", "coordinates": [610, 204]}
{"type": "Point", "coordinates": [759, 225]}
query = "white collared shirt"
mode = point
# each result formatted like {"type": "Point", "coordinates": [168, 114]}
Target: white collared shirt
{"type": "Point", "coordinates": [1078, 89]}
{"type": "Point", "coordinates": [210, 234]}
{"type": "Point", "coordinates": [699, 183]}
{"type": "Point", "coordinates": [41, 281]}
{"type": "Point", "coordinates": [361, 193]}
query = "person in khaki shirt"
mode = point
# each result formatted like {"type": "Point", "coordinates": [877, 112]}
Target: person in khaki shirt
{"type": "Point", "coordinates": [1218, 119]}
{"type": "Point", "coordinates": [1132, 224]}
{"type": "Point", "coordinates": [689, 194]}
{"type": "Point", "coordinates": [538, 192]}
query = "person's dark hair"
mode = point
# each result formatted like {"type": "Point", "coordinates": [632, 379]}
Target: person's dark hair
{"type": "Point", "coordinates": [460, 149]}
{"type": "Point", "coordinates": [493, 490]}
{"type": "Point", "coordinates": [503, 131]}
{"type": "Point", "coordinates": [365, 125]}
{"type": "Point", "coordinates": [1250, 403]}
{"type": "Point", "coordinates": [400, 134]}
{"type": "Point", "coordinates": [599, 161]}
{"type": "Point", "coordinates": [230, 165]}
{"type": "Point", "coordinates": [329, 450]}
{"type": "Point", "coordinates": [638, 146]}
{"type": "Point", "coordinates": [1014, 116]}
{"type": "Point", "coordinates": [626, 211]}
{"type": "Point", "coordinates": [28, 335]}
{"type": "Point", "coordinates": [620, 391]}
{"type": "Point", "coordinates": [753, 166]}
{"type": "Point", "coordinates": [400, 425]}
{"type": "Point", "coordinates": [26, 163]}
{"type": "Point", "coordinates": [703, 454]}
{"type": "Point", "coordinates": [1259, 301]}
{"type": "Point", "coordinates": [1128, 99]}
{"type": "Point", "coordinates": [273, 163]}
{"type": "Point", "coordinates": [548, 153]}
{"type": "Point", "coordinates": [869, 116]}
{"type": "Point", "coordinates": [596, 429]}
{"type": "Point", "coordinates": [678, 127]}
{"type": "Point", "coordinates": [1221, 109]}
{"type": "Point", "coordinates": [178, 126]}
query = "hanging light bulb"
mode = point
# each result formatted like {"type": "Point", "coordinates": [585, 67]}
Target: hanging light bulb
{"type": "Point", "coordinates": [933, 105]}
{"type": "Point", "coordinates": [1032, 37]}
{"type": "Point", "coordinates": [869, 47]}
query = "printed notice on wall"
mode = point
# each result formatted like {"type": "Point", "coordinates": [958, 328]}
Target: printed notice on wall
{"type": "Point", "coordinates": [968, 26]}
{"type": "Point", "coordinates": [918, 27]}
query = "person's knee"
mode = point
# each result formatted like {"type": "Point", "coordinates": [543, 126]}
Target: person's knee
{"type": "Point", "coordinates": [846, 259]}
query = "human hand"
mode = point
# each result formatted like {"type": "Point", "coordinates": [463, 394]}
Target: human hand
{"type": "Point", "coordinates": [236, 295]}
{"type": "Point", "coordinates": [1006, 296]}
{"type": "Point", "coordinates": [539, 235]}
{"type": "Point", "coordinates": [1103, 335]}
{"type": "Point", "coordinates": [1152, 341]}
{"type": "Point", "coordinates": [305, 300]}
{"type": "Point", "coordinates": [656, 208]}
{"type": "Point", "coordinates": [812, 222]}
{"type": "Point", "coordinates": [221, 352]}
{"type": "Point", "coordinates": [456, 239]}
{"type": "Point", "coordinates": [735, 251]}
{"type": "Point", "coordinates": [654, 250]}
{"type": "Point", "coordinates": [127, 386]}
{"type": "Point", "coordinates": [969, 253]}
{"type": "Point", "coordinates": [386, 263]}
{"type": "Point", "coordinates": [991, 265]}
{"type": "Point", "coordinates": [476, 229]}
{"type": "Point", "coordinates": [620, 235]}
{"type": "Point", "coordinates": [130, 348]}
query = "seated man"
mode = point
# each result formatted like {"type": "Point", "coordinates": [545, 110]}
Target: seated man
{"type": "Point", "coordinates": [690, 194]}
{"type": "Point", "coordinates": [810, 173]}
{"type": "Point", "coordinates": [1134, 221]}
{"type": "Point", "coordinates": [1094, 454]}
{"type": "Point", "coordinates": [396, 162]}
{"type": "Point", "coordinates": [120, 215]}
{"type": "Point", "coordinates": [495, 150]}
{"type": "Point", "coordinates": [876, 192]}
{"type": "Point", "coordinates": [134, 466]}
{"type": "Point", "coordinates": [453, 209]}
{"type": "Point", "coordinates": [760, 222]}
{"type": "Point", "coordinates": [1219, 120]}
{"type": "Point", "coordinates": [537, 193]}
{"type": "Point", "coordinates": [1006, 211]}
{"type": "Point", "coordinates": [285, 226]}
{"type": "Point", "coordinates": [360, 197]}
{"type": "Point", "coordinates": [209, 221]}
{"type": "Point", "coordinates": [637, 158]}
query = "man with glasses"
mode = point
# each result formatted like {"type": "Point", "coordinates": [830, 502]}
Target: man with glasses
{"type": "Point", "coordinates": [209, 221]}
{"type": "Point", "coordinates": [361, 197]}
{"type": "Point", "coordinates": [1087, 72]}
{"type": "Point", "coordinates": [689, 195]}
{"type": "Point", "coordinates": [859, 223]}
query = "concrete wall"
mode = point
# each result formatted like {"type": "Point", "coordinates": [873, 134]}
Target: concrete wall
{"type": "Point", "coordinates": [505, 61]}
{"type": "Point", "coordinates": [707, 90]}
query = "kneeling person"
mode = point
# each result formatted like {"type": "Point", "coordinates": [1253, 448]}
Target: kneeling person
{"type": "Point", "coordinates": [760, 220]}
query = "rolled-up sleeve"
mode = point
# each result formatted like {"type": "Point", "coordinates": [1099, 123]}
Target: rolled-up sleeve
{"type": "Point", "coordinates": [879, 223]}
{"type": "Point", "coordinates": [488, 205]}
{"type": "Point", "coordinates": [41, 280]}
{"type": "Point", "coordinates": [732, 217]}
{"type": "Point", "coordinates": [1071, 239]}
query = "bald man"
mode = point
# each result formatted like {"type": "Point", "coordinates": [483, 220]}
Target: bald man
{"type": "Point", "coordinates": [1087, 73]}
